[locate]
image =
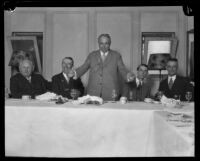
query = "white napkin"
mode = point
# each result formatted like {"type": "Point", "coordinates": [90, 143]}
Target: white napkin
{"type": "Point", "coordinates": [87, 98]}
{"type": "Point", "coordinates": [169, 102]}
{"type": "Point", "coordinates": [46, 96]}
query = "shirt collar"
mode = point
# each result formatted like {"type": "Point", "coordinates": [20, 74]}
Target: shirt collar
{"type": "Point", "coordinates": [28, 78]}
{"type": "Point", "coordinates": [106, 53]}
{"type": "Point", "coordinates": [138, 81]}
{"type": "Point", "coordinates": [173, 78]}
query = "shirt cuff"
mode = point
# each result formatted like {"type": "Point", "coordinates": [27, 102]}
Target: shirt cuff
{"type": "Point", "coordinates": [75, 75]}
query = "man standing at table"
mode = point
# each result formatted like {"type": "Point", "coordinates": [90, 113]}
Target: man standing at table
{"type": "Point", "coordinates": [140, 88]}
{"type": "Point", "coordinates": [26, 82]}
{"type": "Point", "coordinates": [104, 65]}
{"type": "Point", "coordinates": [175, 84]}
{"type": "Point", "coordinates": [63, 83]}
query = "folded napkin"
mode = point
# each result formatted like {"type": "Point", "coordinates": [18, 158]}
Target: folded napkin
{"type": "Point", "coordinates": [86, 99]}
{"type": "Point", "coordinates": [169, 102]}
{"type": "Point", "coordinates": [46, 96]}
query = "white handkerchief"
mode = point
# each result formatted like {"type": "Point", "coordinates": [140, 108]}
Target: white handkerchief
{"type": "Point", "coordinates": [88, 98]}
{"type": "Point", "coordinates": [46, 96]}
{"type": "Point", "coordinates": [169, 102]}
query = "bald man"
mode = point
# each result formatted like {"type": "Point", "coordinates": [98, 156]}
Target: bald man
{"type": "Point", "coordinates": [105, 64]}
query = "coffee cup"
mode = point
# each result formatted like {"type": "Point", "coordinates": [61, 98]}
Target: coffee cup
{"type": "Point", "coordinates": [123, 100]}
{"type": "Point", "coordinates": [26, 97]}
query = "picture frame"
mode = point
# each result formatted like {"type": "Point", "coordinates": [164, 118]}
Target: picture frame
{"type": "Point", "coordinates": [39, 38]}
{"type": "Point", "coordinates": [157, 50]}
{"type": "Point", "coordinates": [27, 44]}
{"type": "Point", "coordinates": [190, 55]}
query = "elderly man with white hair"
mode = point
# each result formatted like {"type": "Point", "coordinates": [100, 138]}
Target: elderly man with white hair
{"type": "Point", "coordinates": [26, 82]}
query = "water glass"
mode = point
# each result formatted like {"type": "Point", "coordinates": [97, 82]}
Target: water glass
{"type": "Point", "coordinates": [159, 94]}
{"type": "Point", "coordinates": [114, 95]}
{"type": "Point", "coordinates": [130, 95]}
{"type": "Point", "coordinates": [188, 96]}
{"type": "Point", "coordinates": [177, 97]}
{"type": "Point", "coordinates": [73, 93]}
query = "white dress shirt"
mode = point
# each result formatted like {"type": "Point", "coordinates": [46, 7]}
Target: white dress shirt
{"type": "Point", "coordinates": [66, 77]}
{"type": "Point", "coordinates": [173, 78]}
{"type": "Point", "coordinates": [103, 53]}
{"type": "Point", "coordinates": [29, 79]}
{"type": "Point", "coordinates": [138, 81]}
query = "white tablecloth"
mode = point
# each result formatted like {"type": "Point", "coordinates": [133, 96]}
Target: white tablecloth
{"type": "Point", "coordinates": [44, 129]}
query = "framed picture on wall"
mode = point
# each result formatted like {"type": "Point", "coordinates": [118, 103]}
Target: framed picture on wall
{"type": "Point", "coordinates": [28, 45]}
{"type": "Point", "coordinates": [157, 50]}
{"type": "Point", "coordinates": [39, 38]}
{"type": "Point", "coordinates": [190, 54]}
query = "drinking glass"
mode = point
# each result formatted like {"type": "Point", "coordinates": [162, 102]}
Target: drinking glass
{"type": "Point", "coordinates": [130, 95]}
{"type": "Point", "coordinates": [159, 94]}
{"type": "Point", "coordinates": [73, 93]}
{"type": "Point", "coordinates": [177, 97]}
{"type": "Point", "coordinates": [188, 96]}
{"type": "Point", "coordinates": [114, 95]}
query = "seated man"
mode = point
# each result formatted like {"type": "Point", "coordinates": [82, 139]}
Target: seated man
{"type": "Point", "coordinates": [175, 85]}
{"type": "Point", "coordinates": [63, 83]}
{"type": "Point", "coordinates": [140, 88]}
{"type": "Point", "coordinates": [26, 82]}
{"type": "Point", "coordinates": [17, 56]}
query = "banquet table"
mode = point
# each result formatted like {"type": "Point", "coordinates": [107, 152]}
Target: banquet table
{"type": "Point", "coordinates": [36, 128]}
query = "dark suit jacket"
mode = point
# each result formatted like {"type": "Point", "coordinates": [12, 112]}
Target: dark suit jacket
{"type": "Point", "coordinates": [61, 87]}
{"type": "Point", "coordinates": [19, 85]}
{"type": "Point", "coordinates": [139, 94]}
{"type": "Point", "coordinates": [103, 76]}
{"type": "Point", "coordinates": [180, 87]}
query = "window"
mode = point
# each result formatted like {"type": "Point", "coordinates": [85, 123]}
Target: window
{"type": "Point", "coordinates": [27, 45]}
{"type": "Point", "coordinates": [157, 48]}
{"type": "Point", "coordinates": [190, 54]}
{"type": "Point", "coordinates": [39, 40]}
{"type": "Point", "coordinates": [30, 42]}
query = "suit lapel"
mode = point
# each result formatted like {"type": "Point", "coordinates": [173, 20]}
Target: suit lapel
{"type": "Point", "coordinates": [175, 82]}
{"type": "Point", "coordinates": [62, 79]}
{"type": "Point", "coordinates": [166, 84]}
{"type": "Point", "coordinates": [26, 81]}
{"type": "Point", "coordinates": [144, 88]}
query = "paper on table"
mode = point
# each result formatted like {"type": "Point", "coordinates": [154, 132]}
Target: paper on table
{"type": "Point", "coordinates": [46, 96]}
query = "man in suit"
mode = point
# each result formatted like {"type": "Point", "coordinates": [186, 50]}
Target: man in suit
{"type": "Point", "coordinates": [105, 65]}
{"type": "Point", "coordinates": [26, 82]}
{"type": "Point", "coordinates": [174, 85]}
{"type": "Point", "coordinates": [140, 88]}
{"type": "Point", "coordinates": [63, 83]}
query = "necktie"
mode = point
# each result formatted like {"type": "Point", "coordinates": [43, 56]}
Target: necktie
{"type": "Point", "coordinates": [139, 91]}
{"type": "Point", "coordinates": [171, 83]}
{"type": "Point", "coordinates": [29, 79]}
{"type": "Point", "coordinates": [103, 56]}
{"type": "Point", "coordinates": [139, 85]}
